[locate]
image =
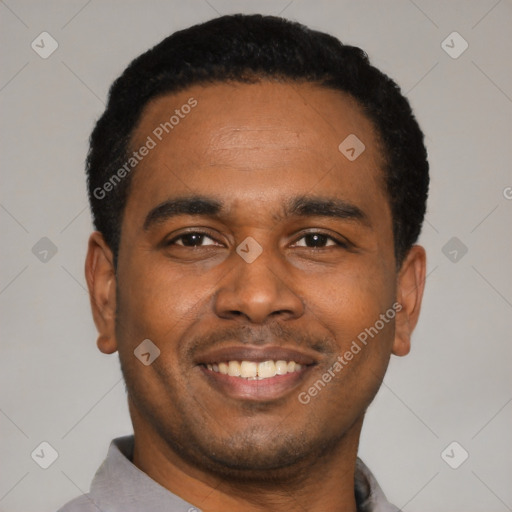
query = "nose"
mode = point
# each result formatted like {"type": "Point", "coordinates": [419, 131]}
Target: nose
{"type": "Point", "coordinates": [257, 291]}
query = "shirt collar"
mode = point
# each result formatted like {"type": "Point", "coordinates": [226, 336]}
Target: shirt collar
{"type": "Point", "coordinates": [120, 486]}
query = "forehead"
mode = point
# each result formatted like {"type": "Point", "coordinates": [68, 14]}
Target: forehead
{"type": "Point", "coordinates": [255, 142]}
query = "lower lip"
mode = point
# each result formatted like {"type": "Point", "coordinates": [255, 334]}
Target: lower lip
{"type": "Point", "coordinates": [254, 389]}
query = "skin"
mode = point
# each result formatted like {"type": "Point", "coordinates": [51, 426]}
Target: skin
{"type": "Point", "coordinates": [254, 147]}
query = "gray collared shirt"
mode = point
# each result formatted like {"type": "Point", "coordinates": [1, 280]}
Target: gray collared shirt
{"type": "Point", "coordinates": [119, 486]}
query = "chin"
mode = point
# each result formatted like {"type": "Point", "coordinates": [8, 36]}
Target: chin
{"type": "Point", "coordinates": [254, 455]}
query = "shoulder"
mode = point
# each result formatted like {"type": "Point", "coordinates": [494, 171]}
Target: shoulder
{"type": "Point", "coordinates": [81, 504]}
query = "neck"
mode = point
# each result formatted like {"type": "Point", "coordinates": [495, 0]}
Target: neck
{"type": "Point", "coordinates": [324, 484]}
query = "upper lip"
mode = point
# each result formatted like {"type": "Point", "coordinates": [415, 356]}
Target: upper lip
{"type": "Point", "coordinates": [255, 354]}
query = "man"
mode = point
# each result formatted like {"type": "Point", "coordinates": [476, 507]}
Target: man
{"type": "Point", "coordinates": [257, 189]}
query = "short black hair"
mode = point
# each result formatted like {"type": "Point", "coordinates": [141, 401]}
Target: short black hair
{"type": "Point", "coordinates": [247, 49]}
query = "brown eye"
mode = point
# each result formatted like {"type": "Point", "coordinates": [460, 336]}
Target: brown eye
{"type": "Point", "coordinates": [192, 240]}
{"type": "Point", "coordinates": [316, 240]}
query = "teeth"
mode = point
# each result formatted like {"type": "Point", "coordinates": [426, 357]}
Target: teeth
{"type": "Point", "coordinates": [252, 370]}
{"type": "Point", "coordinates": [248, 369]}
{"type": "Point", "coordinates": [266, 369]}
{"type": "Point", "coordinates": [281, 367]}
{"type": "Point", "coordinates": [234, 369]}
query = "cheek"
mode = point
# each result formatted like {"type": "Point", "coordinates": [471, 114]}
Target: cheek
{"type": "Point", "coordinates": [350, 305]}
{"type": "Point", "coordinates": [156, 301]}
{"type": "Point", "coordinates": [153, 303]}
{"type": "Point", "coordinates": [351, 299]}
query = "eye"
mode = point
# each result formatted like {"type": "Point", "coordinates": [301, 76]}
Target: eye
{"type": "Point", "coordinates": [318, 240]}
{"type": "Point", "coordinates": [192, 239]}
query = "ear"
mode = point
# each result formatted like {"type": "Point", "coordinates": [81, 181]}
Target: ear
{"type": "Point", "coordinates": [101, 281]}
{"type": "Point", "coordinates": [410, 286]}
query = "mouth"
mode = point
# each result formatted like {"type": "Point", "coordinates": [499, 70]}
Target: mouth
{"type": "Point", "coordinates": [258, 374]}
{"type": "Point", "coordinates": [252, 370]}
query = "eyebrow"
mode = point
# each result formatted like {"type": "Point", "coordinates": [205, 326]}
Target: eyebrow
{"type": "Point", "coordinates": [302, 206]}
{"type": "Point", "coordinates": [193, 205]}
{"type": "Point", "coordinates": [325, 207]}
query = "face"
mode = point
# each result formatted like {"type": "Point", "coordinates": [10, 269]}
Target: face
{"type": "Point", "coordinates": [255, 255]}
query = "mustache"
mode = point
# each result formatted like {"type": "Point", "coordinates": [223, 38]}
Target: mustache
{"type": "Point", "coordinates": [275, 334]}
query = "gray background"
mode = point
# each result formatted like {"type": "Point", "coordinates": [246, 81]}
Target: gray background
{"type": "Point", "coordinates": [456, 383]}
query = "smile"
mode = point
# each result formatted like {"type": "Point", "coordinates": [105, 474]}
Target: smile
{"type": "Point", "coordinates": [252, 370]}
{"type": "Point", "coordinates": [263, 374]}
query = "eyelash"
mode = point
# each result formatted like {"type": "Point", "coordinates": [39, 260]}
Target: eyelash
{"type": "Point", "coordinates": [338, 243]}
